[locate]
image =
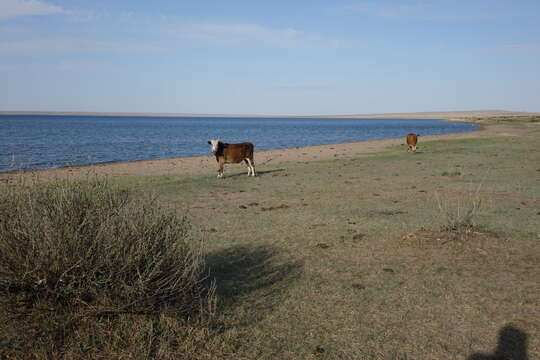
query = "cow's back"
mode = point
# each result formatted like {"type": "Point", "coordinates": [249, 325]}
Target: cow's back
{"type": "Point", "coordinates": [238, 152]}
{"type": "Point", "coordinates": [412, 139]}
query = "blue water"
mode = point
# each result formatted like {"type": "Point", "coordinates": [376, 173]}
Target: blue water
{"type": "Point", "coordinates": [49, 141]}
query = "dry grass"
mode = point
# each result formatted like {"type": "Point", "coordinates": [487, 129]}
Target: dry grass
{"type": "Point", "coordinates": [74, 251]}
{"type": "Point", "coordinates": [460, 216]}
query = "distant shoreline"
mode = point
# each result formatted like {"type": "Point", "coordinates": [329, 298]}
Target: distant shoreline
{"type": "Point", "coordinates": [84, 153]}
{"type": "Point", "coordinates": [206, 164]}
{"type": "Point", "coordinates": [451, 115]}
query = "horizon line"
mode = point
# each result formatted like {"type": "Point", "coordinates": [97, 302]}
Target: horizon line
{"type": "Point", "coordinates": [466, 113]}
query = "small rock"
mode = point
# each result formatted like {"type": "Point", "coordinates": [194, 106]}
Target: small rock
{"type": "Point", "coordinates": [358, 286]}
{"type": "Point", "coordinates": [319, 350]}
{"type": "Point", "coordinates": [388, 270]}
{"type": "Point", "coordinates": [323, 245]}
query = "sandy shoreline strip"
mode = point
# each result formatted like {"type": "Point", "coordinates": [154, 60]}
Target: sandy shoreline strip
{"type": "Point", "coordinates": [263, 159]}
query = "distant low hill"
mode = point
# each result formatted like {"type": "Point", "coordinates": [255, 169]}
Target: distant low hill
{"type": "Point", "coordinates": [454, 115]}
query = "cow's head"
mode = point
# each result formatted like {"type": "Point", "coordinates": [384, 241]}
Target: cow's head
{"type": "Point", "coordinates": [214, 145]}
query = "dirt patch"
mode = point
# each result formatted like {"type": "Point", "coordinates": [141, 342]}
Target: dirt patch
{"type": "Point", "coordinates": [282, 206]}
{"type": "Point", "coordinates": [358, 286]}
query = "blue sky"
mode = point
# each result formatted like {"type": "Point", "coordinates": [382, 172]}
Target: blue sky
{"type": "Point", "coordinates": [269, 57]}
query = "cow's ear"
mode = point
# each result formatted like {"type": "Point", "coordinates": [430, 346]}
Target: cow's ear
{"type": "Point", "coordinates": [209, 142]}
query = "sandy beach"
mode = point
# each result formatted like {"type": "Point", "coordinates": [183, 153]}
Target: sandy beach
{"type": "Point", "coordinates": [207, 163]}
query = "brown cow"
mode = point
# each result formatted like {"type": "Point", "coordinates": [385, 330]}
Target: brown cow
{"type": "Point", "coordinates": [412, 140]}
{"type": "Point", "coordinates": [233, 153]}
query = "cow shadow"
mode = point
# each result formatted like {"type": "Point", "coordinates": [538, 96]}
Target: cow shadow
{"type": "Point", "coordinates": [253, 278]}
{"type": "Point", "coordinates": [259, 173]}
{"type": "Point", "coordinates": [511, 345]}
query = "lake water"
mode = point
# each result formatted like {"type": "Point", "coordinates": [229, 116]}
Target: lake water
{"type": "Point", "coordinates": [49, 141]}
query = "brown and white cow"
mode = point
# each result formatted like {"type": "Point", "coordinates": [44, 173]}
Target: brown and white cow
{"type": "Point", "coordinates": [412, 140]}
{"type": "Point", "coordinates": [233, 153]}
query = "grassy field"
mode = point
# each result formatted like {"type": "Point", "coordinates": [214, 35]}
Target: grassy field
{"type": "Point", "coordinates": [433, 255]}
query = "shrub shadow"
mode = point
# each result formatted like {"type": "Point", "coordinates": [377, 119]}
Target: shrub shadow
{"type": "Point", "coordinates": [512, 344]}
{"type": "Point", "coordinates": [254, 278]}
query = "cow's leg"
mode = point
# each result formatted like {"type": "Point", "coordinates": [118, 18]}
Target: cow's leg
{"type": "Point", "coordinates": [220, 170]}
{"type": "Point", "coordinates": [252, 165]}
{"type": "Point", "coordinates": [414, 148]}
{"type": "Point", "coordinates": [248, 166]}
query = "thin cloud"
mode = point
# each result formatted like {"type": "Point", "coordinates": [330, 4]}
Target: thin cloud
{"type": "Point", "coordinates": [389, 10]}
{"type": "Point", "coordinates": [153, 32]}
{"type": "Point", "coordinates": [58, 45]}
{"type": "Point", "coordinates": [301, 87]}
{"type": "Point", "coordinates": [80, 66]}
{"type": "Point", "coordinates": [414, 10]}
{"type": "Point", "coordinates": [242, 34]}
{"type": "Point", "coordinates": [519, 48]}
{"type": "Point", "coordinates": [17, 8]}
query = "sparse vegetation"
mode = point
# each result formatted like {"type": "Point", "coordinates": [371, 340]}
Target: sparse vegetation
{"type": "Point", "coordinates": [460, 214]}
{"type": "Point", "coordinates": [526, 119]}
{"type": "Point", "coordinates": [72, 250]}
